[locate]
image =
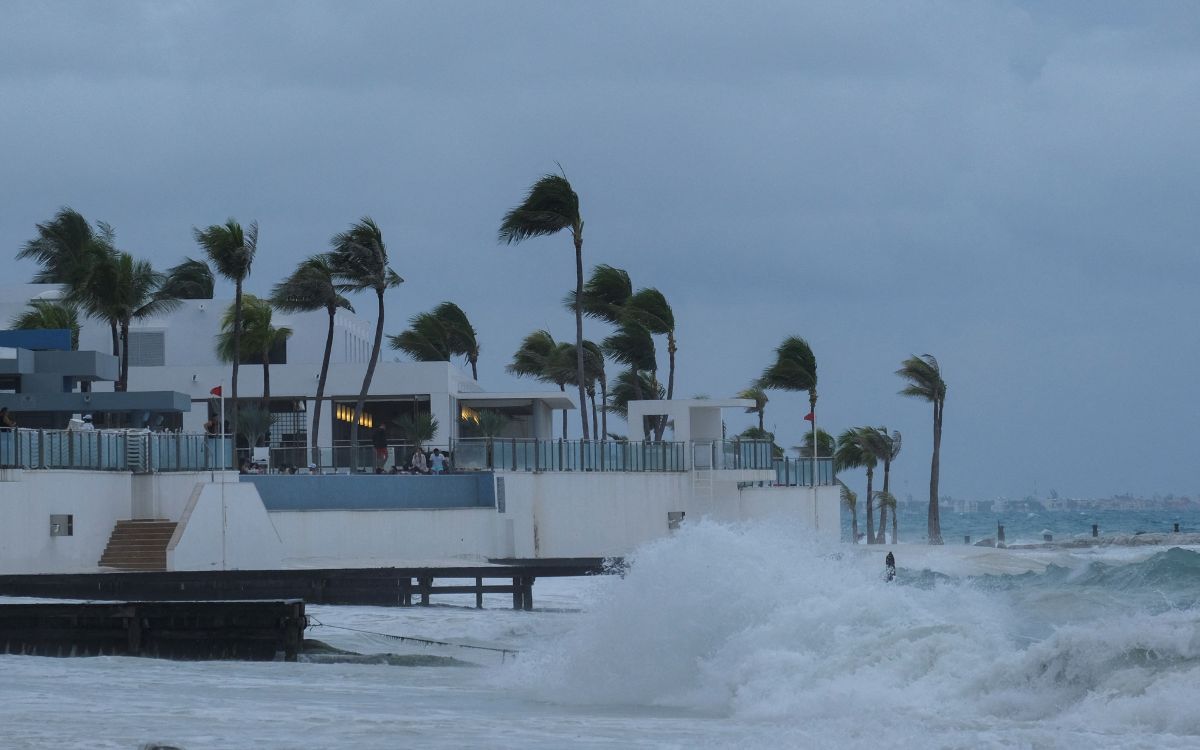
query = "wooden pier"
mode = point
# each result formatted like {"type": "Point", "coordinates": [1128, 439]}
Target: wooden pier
{"type": "Point", "coordinates": [396, 587]}
{"type": "Point", "coordinates": [259, 630]}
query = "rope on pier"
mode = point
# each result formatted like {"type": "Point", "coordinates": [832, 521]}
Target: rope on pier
{"type": "Point", "coordinates": [504, 652]}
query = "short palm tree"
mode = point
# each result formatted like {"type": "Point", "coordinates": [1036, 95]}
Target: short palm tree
{"type": "Point", "coordinates": [630, 385]}
{"type": "Point", "coordinates": [311, 287]}
{"type": "Point", "coordinates": [437, 335]}
{"type": "Point", "coordinates": [886, 447]}
{"type": "Point", "coordinates": [550, 207]}
{"type": "Point", "coordinates": [231, 249]}
{"type": "Point", "coordinates": [850, 502]}
{"type": "Point", "coordinates": [128, 291]}
{"type": "Point", "coordinates": [416, 431]}
{"type": "Point", "coordinates": [650, 308]}
{"type": "Point", "coordinates": [259, 336]}
{"type": "Point", "coordinates": [887, 501]}
{"type": "Point", "coordinates": [542, 358]}
{"type": "Point", "coordinates": [756, 394]}
{"type": "Point", "coordinates": [53, 314]}
{"type": "Point", "coordinates": [593, 371]}
{"type": "Point", "coordinates": [255, 425]}
{"type": "Point", "coordinates": [491, 425]}
{"type": "Point", "coordinates": [924, 378]}
{"type": "Point", "coordinates": [825, 445]}
{"type": "Point", "coordinates": [67, 250]}
{"type": "Point", "coordinates": [851, 453]}
{"type": "Point", "coordinates": [191, 279]}
{"type": "Point", "coordinates": [360, 262]}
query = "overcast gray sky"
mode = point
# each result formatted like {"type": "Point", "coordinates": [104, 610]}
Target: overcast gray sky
{"type": "Point", "coordinates": [1009, 186]}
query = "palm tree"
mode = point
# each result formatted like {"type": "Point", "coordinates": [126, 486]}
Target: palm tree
{"type": "Point", "coordinates": [632, 345]}
{"type": "Point", "coordinates": [885, 447]}
{"type": "Point", "coordinates": [258, 337]}
{"type": "Point", "coordinates": [360, 262]}
{"type": "Point", "coordinates": [630, 385]}
{"type": "Point", "coordinates": [756, 394]}
{"type": "Point", "coordinates": [491, 424]}
{"type": "Point", "coordinates": [887, 501]}
{"type": "Point", "coordinates": [127, 290]}
{"type": "Point", "coordinates": [541, 357]}
{"type": "Point", "coordinates": [650, 308]}
{"type": "Point", "coordinates": [49, 314]}
{"type": "Point", "coordinates": [850, 500]}
{"type": "Point", "coordinates": [757, 433]}
{"type": "Point", "coordinates": [417, 430]}
{"type": "Point", "coordinates": [550, 207]}
{"type": "Point", "coordinates": [925, 382]}
{"type": "Point", "coordinates": [437, 335]}
{"type": "Point", "coordinates": [795, 369]}
{"type": "Point", "coordinates": [67, 248]}
{"type": "Point", "coordinates": [593, 370]}
{"type": "Point", "coordinates": [191, 279]}
{"type": "Point", "coordinates": [825, 445]}
{"type": "Point", "coordinates": [231, 249]}
{"type": "Point", "coordinates": [311, 287]}
{"type": "Point", "coordinates": [460, 334]}
{"type": "Point", "coordinates": [851, 454]}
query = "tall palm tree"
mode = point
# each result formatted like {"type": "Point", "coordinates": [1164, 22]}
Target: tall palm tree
{"type": "Point", "coordinates": [759, 396]}
{"type": "Point", "coordinates": [258, 337]}
{"type": "Point", "coordinates": [551, 206]}
{"type": "Point", "coordinates": [851, 453]}
{"type": "Point", "coordinates": [48, 313]}
{"type": "Point", "coordinates": [129, 290]}
{"type": "Point", "coordinates": [311, 287]}
{"type": "Point", "coordinates": [360, 262]}
{"type": "Point", "coordinates": [191, 279]}
{"type": "Point", "coordinates": [924, 378]}
{"type": "Point", "coordinates": [850, 501]}
{"type": "Point", "coordinates": [231, 249]}
{"type": "Point", "coordinates": [886, 447]}
{"type": "Point", "coordinates": [541, 357]}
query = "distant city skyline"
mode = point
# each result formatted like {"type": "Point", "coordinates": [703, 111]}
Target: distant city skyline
{"type": "Point", "coordinates": [1009, 186]}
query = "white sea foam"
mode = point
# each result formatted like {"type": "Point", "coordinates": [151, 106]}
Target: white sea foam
{"type": "Point", "coordinates": [755, 624]}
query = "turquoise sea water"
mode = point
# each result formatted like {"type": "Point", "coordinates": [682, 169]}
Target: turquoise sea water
{"type": "Point", "coordinates": [1023, 527]}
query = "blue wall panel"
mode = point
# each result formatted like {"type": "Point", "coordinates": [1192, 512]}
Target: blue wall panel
{"type": "Point", "coordinates": [374, 492]}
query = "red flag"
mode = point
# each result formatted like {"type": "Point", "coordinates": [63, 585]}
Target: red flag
{"type": "Point", "coordinates": [216, 391]}
{"type": "Point", "coordinates": [810, 417]}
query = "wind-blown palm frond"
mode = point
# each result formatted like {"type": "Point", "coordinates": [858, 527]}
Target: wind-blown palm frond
{"type": "Point", "coordinates": [425, 339]}
{"type": "Point", "coordinates": [794, 369]}
{"type": "Point", "coordinates": [624, 388]}
{"type": "Point", "coordinates": [825, 445]}
{"type": "Point", "coordinates": [49, 314]}
{"type": "Point", "coordinates": [461, 336]}
{"type": "Point", "coordinates": [550, 206]}
{"type": "Point", "coordinates": [759, 396]}
{"type": "Point", "coordinates": [61, 248]}
{"type": "Point", "coordinates": [416, 430]}
{"type": "Point", "coordinates": [605, 294]}
{"type": "Point", "coordinates": [631, 345]}
{"type": "Point", "coordinates": [191, 279]}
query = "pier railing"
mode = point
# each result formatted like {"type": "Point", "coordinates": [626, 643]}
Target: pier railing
{"type": "Point", "coordinates": [113, 450]}
{"type": "Point", "coordinates": [518, 454]}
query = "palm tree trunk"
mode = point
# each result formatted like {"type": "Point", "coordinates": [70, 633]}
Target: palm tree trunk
{"type": "Point", "coordinates": [474, 371]}
{"type": "Point", "coordinates": [116, 338]}
{"type": "Point", "coordinates": [854, 525]}
{"type": "Point", "coordinates": [266, 394]}
{"type": "Point", "coordinates": [870, 507]}
{"type": "Point", "coordinates": [237, 356]}
{"type": "Point", "coordinates": [895, 531]}
{"type": "Point", "coordinates": [316, 452]}
{"type": "Point", "coordinates": [883, 509]}
{"type": "Point", "coordinates": [579, 332]}
{"type": "Point", "coordinates": [761, 415]}
{"type": "Point", "coordinates": [604, 411]}
{"type": "Point", "coordinates": [935, 520]}
{"type": "Point", "coordinates": [595, 419]}
{"type": "Point", "coordinates": [563, 388]}
{"type": "Point", "coordinates": [366, 385]}
{"type": "Point", "coordinates": [123, 371]}
{"type": "Point", "coordinates": [671, 349]}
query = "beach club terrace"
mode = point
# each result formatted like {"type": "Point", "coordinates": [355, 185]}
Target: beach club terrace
{"type": "Point", "coordinates": [151, 491]}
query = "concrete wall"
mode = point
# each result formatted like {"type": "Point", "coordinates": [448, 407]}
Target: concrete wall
{"type": "Point", "coordinates": [373, 492]}
{"type": "Point", "coordinates": [351, 538]}
{"type": "Point", "coordinates": [95, 499]}
{"type": "Point", "coordinates": [166, 495]}
{"type": "Point", "coordinates": [224, 527]}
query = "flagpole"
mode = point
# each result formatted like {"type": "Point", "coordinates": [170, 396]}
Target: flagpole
{"type": "Point", "coordinates": [816, 519]}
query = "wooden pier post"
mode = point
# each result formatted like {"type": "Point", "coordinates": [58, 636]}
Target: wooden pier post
{"type": "Point", "coordinates": [479, 593]}
{"type": "Point", "coordinates": [1095, 530]}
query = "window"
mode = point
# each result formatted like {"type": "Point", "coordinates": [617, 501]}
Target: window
{"type": "Point", "coordinates": [147, 348]}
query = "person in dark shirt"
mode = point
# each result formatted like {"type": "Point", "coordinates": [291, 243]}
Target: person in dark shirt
{"type": "Point", "coordinates": [889, 564]}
